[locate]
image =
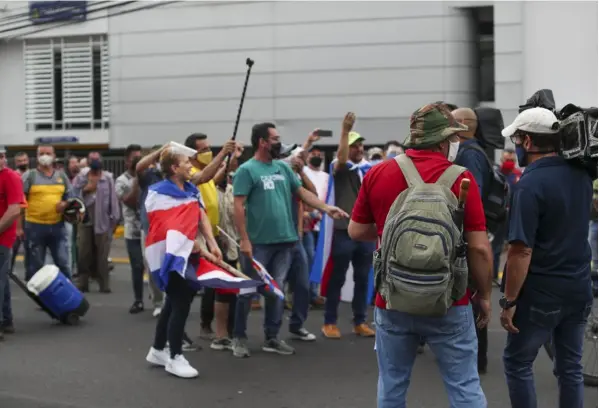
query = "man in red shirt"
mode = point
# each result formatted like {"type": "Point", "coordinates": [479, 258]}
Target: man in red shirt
{"type": "Point", "coordinates": [431, 146]}
{"type": "Point", "coordinates": [11, 198]}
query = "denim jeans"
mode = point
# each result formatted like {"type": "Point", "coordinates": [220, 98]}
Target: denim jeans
{"type": "Point", "coordinates": [40, 237]}
{"type": "Point", "coordinates": [344, 250]}
{"type": "Point", "coordinates": [310, 249]}
{"type": "Point", "coordinates": [452, 338]}
{"type": "Point", "coordinates": [565, 324]}
{"type": "Point", "coordinates": [593, 242]}
{"type": "Point", "coordinates": [299, 279]}
{"type": "Point", "coordinates": [5, 301]}
{"type": "Point", "coordinates": [276, 258]}
{"type": "Point", "coordinates": [136, 259]}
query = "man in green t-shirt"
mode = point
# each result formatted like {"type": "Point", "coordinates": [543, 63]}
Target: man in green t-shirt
{"type": "Point", "coordinates": [263, 187]}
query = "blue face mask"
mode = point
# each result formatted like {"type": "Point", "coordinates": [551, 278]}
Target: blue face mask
{"type": "Point", "coordinates": [521, 155]}
{"type": "Point", "coordinates": [391, 155]}
{"type": "Point", "coordinates": [375, 162]}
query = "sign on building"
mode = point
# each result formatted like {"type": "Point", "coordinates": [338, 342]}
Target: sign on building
{"type": "Point", "coordinates": [42, 12]}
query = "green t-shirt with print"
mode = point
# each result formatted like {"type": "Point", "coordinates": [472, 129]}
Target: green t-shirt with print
{"type": "Point", "coordinates": [268, 188]}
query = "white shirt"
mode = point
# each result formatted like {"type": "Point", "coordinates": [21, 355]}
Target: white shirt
{"type": "Point", "coordinates": [320, 179]}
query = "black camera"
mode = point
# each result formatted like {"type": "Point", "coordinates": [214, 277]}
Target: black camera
{"type": "Point", "coordinates": [578, 128]}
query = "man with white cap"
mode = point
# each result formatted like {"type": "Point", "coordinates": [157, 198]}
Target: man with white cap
{"type": "Point", "coordinates": [547, 292]}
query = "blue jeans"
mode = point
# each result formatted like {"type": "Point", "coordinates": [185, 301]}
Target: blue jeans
{"type": "Point", "coordinates": [5, 301]}
{"type": "Point", "coordinates": [40, 237]}
{"type": "Point", "coordinates": [565, 323]}
{"type": "Point", "coordinates": [136, 259]}
{"type": "Point", "coordinates": [299, 279]}
{"type": "Point", "coordinates": [452, 338]}
{"type": "Point", "coordinates": [344, 251]}
{"type": "Point", "coordinates": [310, 248]}
{"type": "Point", "coordinates": [276, 258]}
{"type": "Point", "coordinates": [593, 242]}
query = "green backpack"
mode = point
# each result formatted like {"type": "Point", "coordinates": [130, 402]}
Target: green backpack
{"type": "Point", "coordinates": [418, 267]}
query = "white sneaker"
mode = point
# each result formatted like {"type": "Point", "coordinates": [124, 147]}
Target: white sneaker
{"type": "Point", "coordinates": [158, 357]}
{"type": "Point", "coordinates": [157, 311]}
{"type": "Point", "coordinates": [180, 367]}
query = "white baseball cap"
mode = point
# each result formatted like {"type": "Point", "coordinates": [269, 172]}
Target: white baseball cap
{"type": "Point", "coordinates": [534, 120]}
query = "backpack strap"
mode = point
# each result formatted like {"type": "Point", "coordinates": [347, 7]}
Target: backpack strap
{"type": "Point", "coordinates": [449, 176]}
{"type": "Point", "coordinates": [408, 169]}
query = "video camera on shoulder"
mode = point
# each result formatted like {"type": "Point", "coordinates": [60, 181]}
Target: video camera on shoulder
{"type": "Point", "coordinates": [578, 128]}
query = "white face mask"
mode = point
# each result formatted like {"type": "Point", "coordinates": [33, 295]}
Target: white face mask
{"type": "Point", "coordinates": [453, 151]}
{"type": "Point", "coordinates": [45, 160]}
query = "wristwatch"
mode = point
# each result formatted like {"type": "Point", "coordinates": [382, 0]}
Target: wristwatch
{"type": "Point", "coordinates": [506, 304]}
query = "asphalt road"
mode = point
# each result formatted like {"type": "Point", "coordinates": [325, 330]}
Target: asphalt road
{"type": "Point", "coordinates": [100, 364]}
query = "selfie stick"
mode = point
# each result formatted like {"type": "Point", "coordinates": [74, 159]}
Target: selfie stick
{"type": "Point", "coordinates": [250, 63]}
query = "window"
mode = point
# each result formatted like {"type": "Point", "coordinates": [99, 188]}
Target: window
{"type": "Point", "coordinates": [66, 83]}
{"type": "Point", "coordinates": [484, 42]}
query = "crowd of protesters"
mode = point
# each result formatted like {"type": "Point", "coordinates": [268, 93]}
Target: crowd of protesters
{"type": "Point", "coordinates": [275, 208]}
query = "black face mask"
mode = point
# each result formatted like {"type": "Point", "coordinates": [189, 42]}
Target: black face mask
{"type": "Point", "coordinates": [315, 161]}
{"type": "Point", "coordinates": [275, 150]}
{"type": "Point", "coordinates": [23, 167]}
{"type": "Point", "coordinates": [95, 165]}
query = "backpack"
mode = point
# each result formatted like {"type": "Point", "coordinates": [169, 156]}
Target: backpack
{"type": "Point", "coordinates": [419, 267]}
{"type": "Point", "coordinates": [495, 195]}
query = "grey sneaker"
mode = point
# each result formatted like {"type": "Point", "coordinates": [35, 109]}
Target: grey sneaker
{"type": "Point", "coordinates": [221, 344]}
{"type": "Point", "coordinates": [278, 346]}
{"type": "Point", "coordinates": [190, 345]}
{"type": "Point", "coordinates": [240, 348]}
{"type": "Point", "coordinates": [206, 333]}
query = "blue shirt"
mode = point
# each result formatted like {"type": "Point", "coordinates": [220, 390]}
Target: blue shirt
{"type": "Point", "coordinates": [549, 213]}
{"type": "Point", "coordinates": [145, 180]}
{"type": "Point", "coordinates": [476, 162]}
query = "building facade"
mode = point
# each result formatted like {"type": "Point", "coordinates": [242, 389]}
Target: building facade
{"type": "Point", "coordinates": [159, 74]}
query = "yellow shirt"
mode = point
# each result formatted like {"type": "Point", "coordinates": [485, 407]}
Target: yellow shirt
{"type": "Point", "coordinates": [43, 194]}
{"type": "Point", "coordinates": [210, 198]}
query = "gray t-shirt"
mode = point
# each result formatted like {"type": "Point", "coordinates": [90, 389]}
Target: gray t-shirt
{"type": "Point", "coordinates": [131, 219]}
{"type": "Point", "coordinates": [347, 186]}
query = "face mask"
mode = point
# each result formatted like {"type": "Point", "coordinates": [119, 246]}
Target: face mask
{"type": "Point", "coordinates": [204, 158]}
{"type": "Point", "coordinates": [45, 160]}
{"type": "Point", "coordinates": [453, 151]}
{"type": "Point", "coordinates": [315, 161]}
{"type": "Point", "coordinates": [521, 154]}
{"type": "Point", "coordinates": [23, 167]}
{"type": "Point", "coordinates": [95, 165]}
{"type": "Point", "coordinates": [375, 162]}
{"type": "Point", "coordinates": [275, 150]}
{"type": "Point", "coordinates": [508, 167]}
{"type": "Point", "coordinates": [391, 155]}
{"type": "Point", "coordinates": [157, 166]}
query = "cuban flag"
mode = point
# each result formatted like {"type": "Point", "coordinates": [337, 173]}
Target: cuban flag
{"type": "Point", "coordinates": [173, 215]}
{"type": "Point", "coordinates": [323, 262]}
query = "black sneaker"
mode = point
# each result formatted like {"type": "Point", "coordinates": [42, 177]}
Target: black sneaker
{"type": "Point", "coordinates": [136, 307]}
{"type": "Point", "coordinates": [190, 345]}
{"type": "Point", "coordinates": [278, 346]}
{"type": "Point", "coordinates": [302, 334]}
{"type": "Point", "coordinates": [8, 328]}
{"type": "Point", "coordinates": [221, 344]}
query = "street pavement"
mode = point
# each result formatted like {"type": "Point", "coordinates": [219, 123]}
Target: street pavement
{"type": "Point", "coordinates": [101, 364]}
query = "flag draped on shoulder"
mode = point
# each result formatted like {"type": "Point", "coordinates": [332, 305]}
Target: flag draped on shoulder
{"type": "Point", "coordinates": [323, 262]}
{"type": "Point", "coordinates": [174, 216]}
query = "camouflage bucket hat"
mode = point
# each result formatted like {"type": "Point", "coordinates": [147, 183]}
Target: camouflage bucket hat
{"type": "Point", "coordinates": [431, 124]}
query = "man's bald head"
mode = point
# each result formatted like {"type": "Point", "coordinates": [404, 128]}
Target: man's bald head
{"type": "Point", "coordinates": [466, 116]}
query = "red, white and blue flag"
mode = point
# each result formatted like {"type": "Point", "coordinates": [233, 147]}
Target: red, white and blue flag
{"type": "Point", "coordinates": [322, 267]}
{"type": "Point", "coordinates": [270, 285]}
{"type": "Point", "coordinates": [174, 215]}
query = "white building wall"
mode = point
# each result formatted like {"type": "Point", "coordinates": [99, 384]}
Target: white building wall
{"type": "Point", "coordinates": [12, 72]}
{"type": "Point", "coordinates": [180, 69]}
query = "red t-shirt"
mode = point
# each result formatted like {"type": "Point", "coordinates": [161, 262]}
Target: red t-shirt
{"type": "Point", "coordinates": [384, 182]}
{"type": "Point", "coordinates": [11, 192]}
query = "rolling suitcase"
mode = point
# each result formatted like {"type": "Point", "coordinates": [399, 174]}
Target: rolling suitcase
{"type": "Point", "coordinates": [55, 294]}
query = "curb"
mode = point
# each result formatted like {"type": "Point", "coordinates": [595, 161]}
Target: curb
{"type": "Point", "coordinates": [115, 260]}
